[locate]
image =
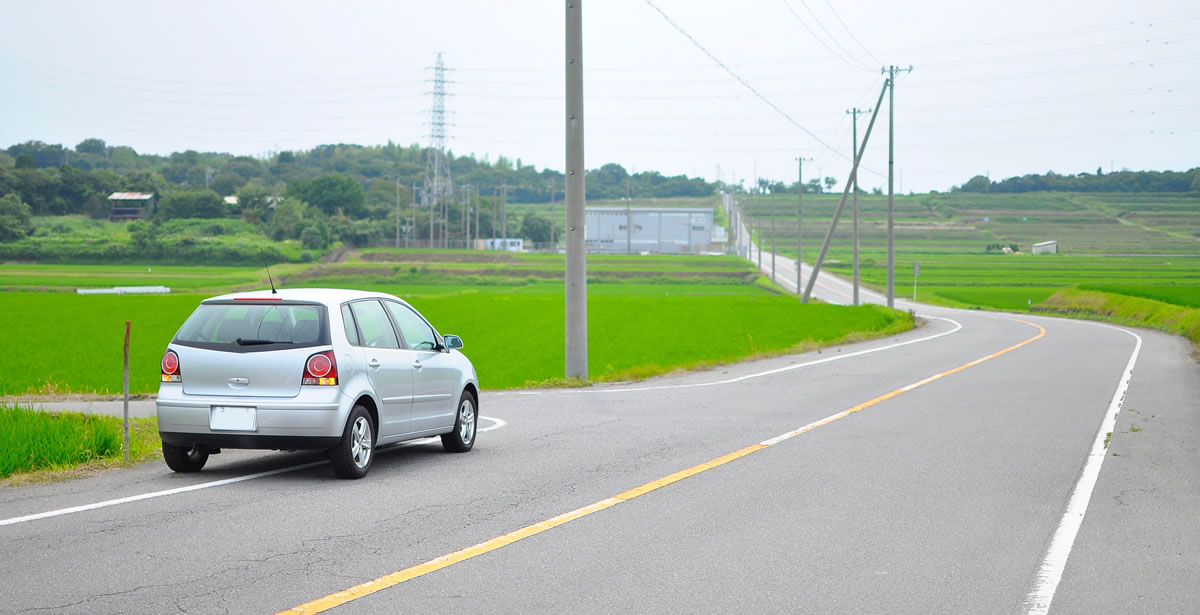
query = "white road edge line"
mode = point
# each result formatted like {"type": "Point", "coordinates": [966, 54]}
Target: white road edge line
{"type": "Point", "coordinates": [1050, 573]}
{"type": "Point", "coordinates": [957, 327]}
{"type": "Point", "coordinates": [496, 424]}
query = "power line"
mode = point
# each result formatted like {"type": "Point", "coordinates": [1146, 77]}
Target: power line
{"type": "Point", "coordinates": [854, 38]}
{"type": "Point", "coordinates": [744, 83]}
{"type": "Point", "coordinates": [849, 57]}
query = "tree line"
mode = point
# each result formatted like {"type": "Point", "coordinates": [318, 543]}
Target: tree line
{"type": "Point", "coordinates": [334, 192]}
{"type": "Point", "coordinates": [1120, 181]}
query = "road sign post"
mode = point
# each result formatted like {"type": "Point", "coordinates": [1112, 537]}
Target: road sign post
{"type": "Point", "coordinates": [916, 272]}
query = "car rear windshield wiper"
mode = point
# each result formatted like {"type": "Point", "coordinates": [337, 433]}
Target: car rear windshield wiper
{"type": "Point", "coordinates": [253, 342]}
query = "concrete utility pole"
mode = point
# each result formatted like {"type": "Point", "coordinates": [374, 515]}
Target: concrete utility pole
{"type": "Point", "coordinates": [754, 199]}
{"type": "Point", "coordinates": [837, 212]}
{"type": "Point", "coordinates": [412, 228]}
{"type": "Point", "coordinates": [629, 219]}
{"type": "Point", "coordinates": [772, 206]}
{"type": "Point", "coordinates": [466, 215]}
{"type": "Point", "coordinates": [891, 289]}
{"type": "Point", "coordinates": [799, 215]}
{"type": "Point", "coordinates": [397, 212]}
{"type": "Point", "coordinates": [504, 211]}
{"type": "Point", "coordinates": [854, 112]}
{"type": "Point", "coordinates": [576, 270]}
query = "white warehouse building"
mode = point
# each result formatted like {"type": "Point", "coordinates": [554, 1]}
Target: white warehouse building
{"type": "Point", "coordinates": [661, 230]}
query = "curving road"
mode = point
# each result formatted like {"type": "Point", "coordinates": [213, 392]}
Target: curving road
{"type": "Point", "coordinates": [936, 471]}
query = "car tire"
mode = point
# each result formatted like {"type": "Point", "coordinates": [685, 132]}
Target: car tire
{"type": "Point", "coordinates": [353, 455]}
{"type": "Point", "coordinates": [466, 422]}
{"type": "Point", "coordinates": [184, 459]}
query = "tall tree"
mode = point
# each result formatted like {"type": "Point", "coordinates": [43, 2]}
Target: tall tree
{"type": "Point", "coordinates": [92, 146]}
{"type": "Point", "coordinates": [14, 218]}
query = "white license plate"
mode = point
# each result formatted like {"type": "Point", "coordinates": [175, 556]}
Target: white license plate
{"type": "Point", "coordinates": [233, 418]}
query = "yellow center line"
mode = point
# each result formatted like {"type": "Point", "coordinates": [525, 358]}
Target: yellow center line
{"type": "Point", "coordinates": [326, 603]}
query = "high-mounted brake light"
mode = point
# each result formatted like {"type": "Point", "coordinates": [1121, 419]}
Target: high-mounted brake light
{"type": "Point", "coordinates": [170, 367]}
{"type": "Point", "coordinates": [321, 369]}
{"type": "Point", "coordinates": [257, 299]}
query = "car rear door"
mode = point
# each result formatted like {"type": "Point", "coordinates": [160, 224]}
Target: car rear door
{"type": "Point", "coordinates": [389, 368]}
{"type": "Point", "coordinates": [435, 378]}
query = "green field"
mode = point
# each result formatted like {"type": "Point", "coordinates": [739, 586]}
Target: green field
{"type": "Point", "coordinates": [1178, 295]}
{"type": "Point", "coordinates": [645, 316]}
{"type": "Point", "coordinates": [67, 278]}
{"type": "Point", "coordinates": [1143, 245]}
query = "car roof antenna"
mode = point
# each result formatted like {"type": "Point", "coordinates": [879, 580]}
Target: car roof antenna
{"type": "Point", "coordinates": [268, 268]}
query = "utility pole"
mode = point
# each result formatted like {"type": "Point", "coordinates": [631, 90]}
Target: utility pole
{"type": "Point", "coordinates": [772, 206]}
{"type": "Point", "coordinates": [412, 228]}
{"type": "Point", "coordinates": [397, 212]}
{"type": "Point", "coordinates": [466, 215]}
{"type": "Point", "coordinates": [854, 112]}
{"type": "Point", "coordinates": [629, 220]}
{"type": "Point", "coordinates": [837, 212]}
{"type": "Point", "coordinates": [477, 200]}
{"type": "Point", "coordinates": [553, 245]}
{"type": "Point", "coordinates": [576, 268]}
{"type": "Point", "coordinates": [891, 286]}
{"type": "Point", "coordinates": [754, 199]}
{"type": "Point", "coordinates": [504, 211]}
{"type": "Point", "coordinates": [799, 215]}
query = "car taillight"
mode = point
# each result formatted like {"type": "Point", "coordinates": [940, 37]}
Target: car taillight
{"type": "Point", "coordinates": [321, 369]}
{"type": "Point", "coordinates": [170, 367]}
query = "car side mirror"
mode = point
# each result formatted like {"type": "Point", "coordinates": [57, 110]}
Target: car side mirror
{"type": "Point", "coordinates": [452, 342]}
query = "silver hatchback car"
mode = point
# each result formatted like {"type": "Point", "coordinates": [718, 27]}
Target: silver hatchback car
{"type": "Point", "coordinates": [338, 370]}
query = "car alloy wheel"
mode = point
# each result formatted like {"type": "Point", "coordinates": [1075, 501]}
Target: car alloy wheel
{"type": "Point", "coordinates": [462, 437]}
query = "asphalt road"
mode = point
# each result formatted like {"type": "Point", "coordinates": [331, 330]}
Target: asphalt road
{"type": "Point", "coordinates": [913, 478]}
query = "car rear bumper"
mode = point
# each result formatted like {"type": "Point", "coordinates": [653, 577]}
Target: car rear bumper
{"type": "Point", "coordinates": [214, 440]}
{"type": "Point", "coordinates": [305, 422]}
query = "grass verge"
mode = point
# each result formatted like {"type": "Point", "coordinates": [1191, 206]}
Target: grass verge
{"type": "Point", "coordinates": [38, 446]}
{"type": "Point", "coordinates": [1126, 310]}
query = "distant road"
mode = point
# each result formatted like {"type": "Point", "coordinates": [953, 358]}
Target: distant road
{"type": "Point", "coordinates": [931, 472]}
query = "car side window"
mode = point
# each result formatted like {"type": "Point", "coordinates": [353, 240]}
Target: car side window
{"type": "Point", "coordinates": [417, 333]}
{"type": "Point", "coordinates": [348, 323]}
{"type": "Point", "coordinates": [374, 325]}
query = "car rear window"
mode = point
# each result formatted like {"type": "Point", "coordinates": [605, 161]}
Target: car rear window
{"type": "Point", "coordinates": [252, 327]}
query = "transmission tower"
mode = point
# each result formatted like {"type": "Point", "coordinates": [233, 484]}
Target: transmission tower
{"type": "Point", "coordinates": [439, 187]}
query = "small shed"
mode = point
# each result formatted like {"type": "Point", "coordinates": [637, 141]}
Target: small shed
{"type": "Point", "coordinates": [130, 206]}
{"type": "Point", "coordinates": [1046, 247]}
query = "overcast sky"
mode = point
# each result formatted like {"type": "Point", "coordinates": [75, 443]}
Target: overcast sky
{"type": "Point", "coordinates": [1003, 88]}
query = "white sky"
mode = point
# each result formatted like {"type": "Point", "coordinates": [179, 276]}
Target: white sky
{"type": "Point", "coordinates": [1005, 88]}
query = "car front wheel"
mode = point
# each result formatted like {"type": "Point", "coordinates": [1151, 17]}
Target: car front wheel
{"type": "Point", "coordinates": [353, 455]}
{"type": "Point", "coordinates": [462, 438]}
{"type": "Point", "coordinates": [184, 459]}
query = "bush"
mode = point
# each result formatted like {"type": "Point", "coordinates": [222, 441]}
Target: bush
{"type": "Point", "coordinates": [14, 218]}
{"type": "Point", "coordinates": [192, 204]}
{"type": "Point", "coordinates": [312, 238]}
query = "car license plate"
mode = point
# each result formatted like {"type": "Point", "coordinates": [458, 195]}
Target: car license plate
{"type": "Point", "coordinates": [233, 418]}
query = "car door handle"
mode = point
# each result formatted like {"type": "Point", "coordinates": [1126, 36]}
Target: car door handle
{"type": "Point", "coordinates": [374, 364]}
{"type": "Point", "coordinates": [418, 365]}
